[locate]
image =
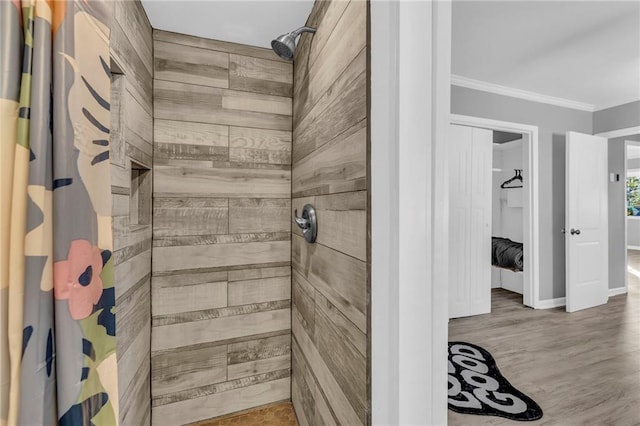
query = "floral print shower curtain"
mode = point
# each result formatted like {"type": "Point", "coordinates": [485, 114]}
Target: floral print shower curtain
{"type": "Point", "coordinates": [57, 299]}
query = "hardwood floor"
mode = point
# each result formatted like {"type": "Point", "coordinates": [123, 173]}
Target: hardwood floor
{"type": "Point", "coordinates": [582, 368]}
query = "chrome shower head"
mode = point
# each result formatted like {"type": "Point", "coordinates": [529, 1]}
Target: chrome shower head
{"type": "Point", "coordinates": [285, 45]}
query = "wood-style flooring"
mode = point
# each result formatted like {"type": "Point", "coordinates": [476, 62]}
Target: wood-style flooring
{"type": "Point", "coordinates": [582, 368]}
{"type": "Point", "coordinates": [281, 414]}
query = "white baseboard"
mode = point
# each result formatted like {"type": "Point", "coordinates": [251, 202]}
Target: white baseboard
{"type": "Point", "coordinates": [616, 291]}
{"type": "Point", "coordinates": [561, 301]}
{"type": "Point", "coordinates": [633, 247]}
{"type": "Point", "coordinates": [551, 303]}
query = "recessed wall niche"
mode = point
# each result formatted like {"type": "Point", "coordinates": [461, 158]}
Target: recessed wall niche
{"type": "Point", "coordinates": [140, 195]}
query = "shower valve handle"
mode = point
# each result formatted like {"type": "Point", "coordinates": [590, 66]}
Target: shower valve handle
{"type": "Point", "coordinates": [307, 222]}
{"type": "Point", "coordinates": [301, 221]}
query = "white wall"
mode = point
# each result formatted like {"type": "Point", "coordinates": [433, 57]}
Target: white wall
{"type": "Point", "coordinates": [511, 199]}
{"type": "Point", "coordinates": [496, 211]}
{"type": "Point", "coordinates": [508, 221]}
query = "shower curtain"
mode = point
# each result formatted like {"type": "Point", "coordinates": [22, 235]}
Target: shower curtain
{"type": "Point", "coordinates": [57, 300]}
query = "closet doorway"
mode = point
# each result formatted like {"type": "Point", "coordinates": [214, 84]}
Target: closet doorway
{"type": "Point", "coordinates": [485, 208]}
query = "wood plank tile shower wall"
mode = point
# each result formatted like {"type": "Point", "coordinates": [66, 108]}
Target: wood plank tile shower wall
{"type": "Point", "coordinates": [221, 285]}
{"type": "Point", "coordinates": [132, 143]}
{"type": "Point", "coordinates": [330, 383]}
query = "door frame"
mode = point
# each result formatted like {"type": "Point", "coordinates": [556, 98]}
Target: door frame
{"type": "Point", "coordinates": [410, 74]}
{"type": "Point", "coordinates": [626, 221]}
{"type": "Point", "coordinates": [531, 218]}
{"type": "Point", "coordinates": [625, 170]}
{"type": "Point", "coordinates": [629, 131]}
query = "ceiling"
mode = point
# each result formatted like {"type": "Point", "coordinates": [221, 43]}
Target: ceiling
{"type": "Point", "coordinates": [248, 22]}
{"type": "Point", "coordinates": [583, 51]}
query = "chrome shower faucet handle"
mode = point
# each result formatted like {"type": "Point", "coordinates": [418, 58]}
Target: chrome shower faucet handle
{"type": "Point", "coordinates": [307, 222]}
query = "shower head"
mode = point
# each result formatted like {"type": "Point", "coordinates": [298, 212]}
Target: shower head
{"type": "Point", "coordinates": [285, 45]}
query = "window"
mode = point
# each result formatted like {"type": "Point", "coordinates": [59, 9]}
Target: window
{"type": "Point", "coordinates": [633, 196]}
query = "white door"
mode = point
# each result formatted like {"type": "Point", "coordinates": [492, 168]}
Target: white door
{"type": "Point", "coordinates": [586, 224]}
{"type": "Point", "coordinates": [470, 161]}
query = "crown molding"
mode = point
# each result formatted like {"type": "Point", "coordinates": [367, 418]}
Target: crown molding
{"type": "Point", "coordinates": [620, 132]}
{"type": "Point", "coordinates": [469, 83]}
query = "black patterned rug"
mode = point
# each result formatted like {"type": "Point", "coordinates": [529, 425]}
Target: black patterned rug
{"type": "Point", "coordinates": [476, 386]}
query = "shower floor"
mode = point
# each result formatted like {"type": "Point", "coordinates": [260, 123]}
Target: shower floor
{"type": "Point", "coordinates": [280, 414]}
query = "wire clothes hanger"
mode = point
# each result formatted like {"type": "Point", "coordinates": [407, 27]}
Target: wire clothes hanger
{"type": "Point", "coordinates": [509, 183]}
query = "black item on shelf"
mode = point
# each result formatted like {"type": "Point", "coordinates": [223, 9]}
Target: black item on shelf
{"type": "Point", "coordinates": [507, 254]}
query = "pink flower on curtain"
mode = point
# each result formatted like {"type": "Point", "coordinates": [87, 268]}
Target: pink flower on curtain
{"type": "Point", "coordinates": [78, 278]}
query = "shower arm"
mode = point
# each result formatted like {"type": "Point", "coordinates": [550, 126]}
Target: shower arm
{"type": "Point", "coordinates": [301, 30]}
